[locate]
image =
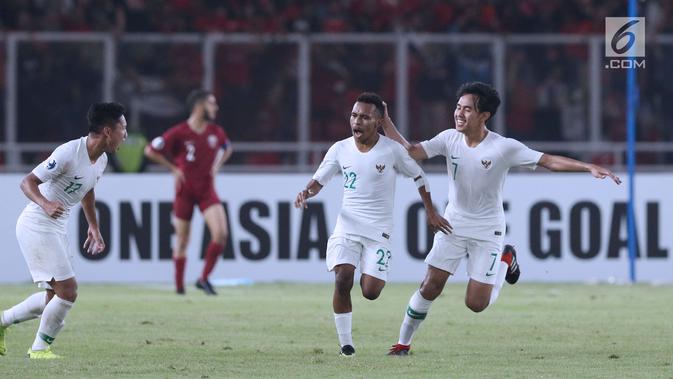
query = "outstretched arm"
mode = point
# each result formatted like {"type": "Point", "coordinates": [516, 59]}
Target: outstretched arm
{"type": "Point", "coordinates": [416, 151]}
{"type": "Point", "coordinates": [560, 163]}
{"type": "Point", "coordinates": [312, 189]}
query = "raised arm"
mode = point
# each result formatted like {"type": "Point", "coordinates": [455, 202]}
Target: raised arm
{"type": "Point", "coordinates": [416, 151]}
{"type": "Point", "coordinates": [561, 163]}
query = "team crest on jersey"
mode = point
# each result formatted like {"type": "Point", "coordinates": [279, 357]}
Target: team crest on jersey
{"type": "Point", "coordinates": [486, 163]}
{"type": "Point", "coordinates": [51, 164]}
{"type": "Point", "coordinates": [212, 141]}
{"type": "Point", "coordinates": [380, 168]}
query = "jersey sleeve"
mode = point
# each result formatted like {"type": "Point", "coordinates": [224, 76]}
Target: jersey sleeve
{"type": "Point", "coordinates": [437, 145]}
{"type": "Point", "coordinates": [328, 167]}
{"type": "Point", "coordinates": [55, 165]}
{"type": "Point", "coordinates": [519, 154]}
{"type": "Point", "coordinates": [405, 164]}
{"type": "Point", "coordinates": [166, 143]}
{"type": "Point", "coordinates": [224, 139]}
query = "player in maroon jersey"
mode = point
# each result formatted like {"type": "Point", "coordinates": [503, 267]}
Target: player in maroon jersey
{"type": "Point", "coordinates": [194, 151]}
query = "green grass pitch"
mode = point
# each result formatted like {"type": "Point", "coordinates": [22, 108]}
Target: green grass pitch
{"type": "Point", "coordinates": [287, 330]}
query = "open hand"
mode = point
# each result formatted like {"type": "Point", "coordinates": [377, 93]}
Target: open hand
{"type": "Point", "coordinates": [94, 243]}
{"type": "Point", "coordinates": [602, 173]}
{"type": "Point", "coordinates": [438, 223]}
{"type": "Point", "coordinates": [301, 200]}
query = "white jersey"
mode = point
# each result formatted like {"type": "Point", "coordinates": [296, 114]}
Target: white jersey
{"type": "Point", "coordinates": [67, 175]}
{"type": "Point", "coordinates": [476, 179]}
{"type": "Point", "coordinates": [369, 184]}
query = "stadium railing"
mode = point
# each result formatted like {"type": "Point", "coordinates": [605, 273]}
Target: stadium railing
{"type": "Point", "coordinates": [152, 72]}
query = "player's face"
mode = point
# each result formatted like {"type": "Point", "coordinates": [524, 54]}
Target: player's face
{"type": "Point", "coordinates": [210, 108]}
{"type": "Point", "coordinates": [117, 135]}
{"type": "Point", "coordinates": [365, 120]}
{"type": "Point", "coordinates": [466, 116]}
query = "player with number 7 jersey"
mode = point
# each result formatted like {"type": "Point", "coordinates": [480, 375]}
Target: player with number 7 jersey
{"type": "Point", "coordinates": [478, 161]}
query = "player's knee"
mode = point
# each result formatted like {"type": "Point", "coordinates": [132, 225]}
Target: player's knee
{"type": "Point", "coordinates": [476, 305]}
{"type": "Point", "coordinates": [181, 246]}
{"type": "Point", "coordinates": [220, 238]}
{"type": "Point", "coordinates": [343, 283]}
{"type": "Point", "coordinates": [68, 294]}
{"type": "Point", "coordinates": [430, 291]}
{"type": "Point", "coordinates": [370, 294]}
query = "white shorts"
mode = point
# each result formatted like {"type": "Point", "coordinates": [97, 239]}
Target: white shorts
{"type": "Point", "coordinates": [45, 252]}
{"type": "Point", "coordinates": [483, 256]}
{"type": "Point", "coordinates": [372, 257]}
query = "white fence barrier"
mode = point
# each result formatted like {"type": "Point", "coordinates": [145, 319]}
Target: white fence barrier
{"type": "Point", "coordinates": [567, 227]}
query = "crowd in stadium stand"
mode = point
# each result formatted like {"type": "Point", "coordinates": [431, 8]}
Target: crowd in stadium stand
{"type": "Point", "coordinates": [283, 16]}
{"type": "Point", "coordinates": [547, 85]}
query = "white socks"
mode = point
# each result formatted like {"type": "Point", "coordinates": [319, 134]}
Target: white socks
{"type": "Point", "coordinates": [416, 311]}
{"type": "Point", "coordinates": [418, 307]}
{"type": "Point", "coordinates": [51, 323]}
{"type": "Point", "coordinates": [499, 281]}
{"type": "Point", "coordinates": [344, 323]}
{"type": "Point", "coordinates": [28, 309]}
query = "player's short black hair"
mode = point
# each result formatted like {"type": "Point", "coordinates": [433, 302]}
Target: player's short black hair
{"type": "Point", "coordinates": [372, 98]}
{"type": "Point", "coordinates": [486, 99]}
{"type": "Point", "coordinates": [103, 114]}
{"type": "Point", "coordinates": [195, 97]}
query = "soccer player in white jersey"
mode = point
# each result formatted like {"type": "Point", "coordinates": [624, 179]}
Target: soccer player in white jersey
{"type": "Point", "coordinates": [478, 161]}
{"type": "Point", "coordinates": [368, 163]}
{"type": "Point", "coordinates": [67, 177]}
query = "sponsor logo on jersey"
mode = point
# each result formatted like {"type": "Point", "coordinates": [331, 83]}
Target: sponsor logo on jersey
{"type": "Point", "coordinates": [345, 167]}
{"type": "Point", "coordinates": [380, 168]}
{"type": "Point", "coordinates": [78, 177]}
{"type": "Point", "coordinates": [51, 164]}
{"type": "Point", "coordinates": [486, 163]}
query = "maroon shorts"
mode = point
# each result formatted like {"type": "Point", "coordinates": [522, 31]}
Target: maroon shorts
{"type": "Point", "coordinates": [189, 195]}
